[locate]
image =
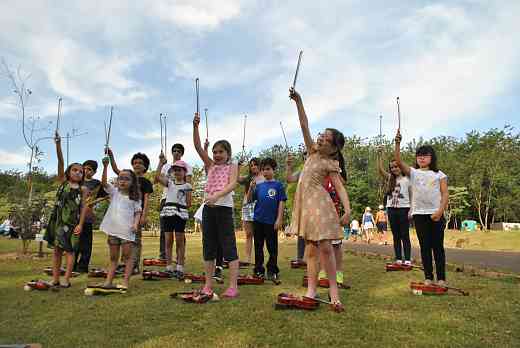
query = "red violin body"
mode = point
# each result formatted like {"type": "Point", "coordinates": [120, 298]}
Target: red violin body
{"type": "Point", "coordinates": [154, 275]}
{"type": "Point", "coordinates": [423, 289]}
{"type": "Point", "coordinates": [97, 273]}
{"type": "Point", "coordinates": [392, 267]}
{"type": "Point", "coordinates": [289, 301]}
{"type": "Point", "coordinates": [298, 264]}
{"type": "Point", "coordinates": [249, 280]}
{"type": "Point", "coordinates": [39, 284]}
{"type": "Point", "coordinates": [154, 262]}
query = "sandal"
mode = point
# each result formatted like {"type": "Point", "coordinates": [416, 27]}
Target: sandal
{"type": "Point", "coordinates": [337, 307]}
{"type": "Point", "coordinates": [65, 286]}
{"type": "Point", "coordinates": [230, 293]}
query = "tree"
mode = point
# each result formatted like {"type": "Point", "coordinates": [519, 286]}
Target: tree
{"type": "Point", "coordinates": [457, 203]}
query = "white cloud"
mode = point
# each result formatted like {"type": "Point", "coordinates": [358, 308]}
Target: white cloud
{"type": "Point", "coordinates": [8, 158]}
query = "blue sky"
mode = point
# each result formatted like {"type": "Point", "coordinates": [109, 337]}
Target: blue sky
{"type": "Point", "coordinates": [454, 65]}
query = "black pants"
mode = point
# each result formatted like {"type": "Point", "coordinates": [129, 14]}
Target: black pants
{"type": "Point", "coordinates": [301, 248]}
{"type": "Point", "coordinates": [431, 238]}
{"type": "Point", "coordinates": [82, 257]}
{"type": "Point", "coordinates": [265, 232]}
{"type": "Point", "coordinates": [219, 261]}
{"type": "Point", "coordinates": [218, 230]}
{"type": "Point", "coordinates": [400, 225]}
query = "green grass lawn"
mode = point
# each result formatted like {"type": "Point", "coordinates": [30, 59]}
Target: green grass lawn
{"type": "Point", "coordinates": [380, 310]}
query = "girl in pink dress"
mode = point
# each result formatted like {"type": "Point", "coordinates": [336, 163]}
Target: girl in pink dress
{"type": "Point", "coordinates": [314, 215]}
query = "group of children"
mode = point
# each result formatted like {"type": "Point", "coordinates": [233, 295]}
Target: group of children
{"type": "Point", "coordinates": [321, 207]}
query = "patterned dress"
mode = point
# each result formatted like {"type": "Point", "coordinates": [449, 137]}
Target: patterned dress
{"type": "Point", "coordinates": [314, 215]}
{"type": "Point", "coordinates": [64, 218]}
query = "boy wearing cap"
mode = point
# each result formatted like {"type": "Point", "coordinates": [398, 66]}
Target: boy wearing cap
{"type": "Point", "coordinates": [94, 191]}
{"type": "Point", "coordinates": [174, 212]}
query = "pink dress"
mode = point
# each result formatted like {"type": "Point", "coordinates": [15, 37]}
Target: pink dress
{"type": "Point", "coordinates": [314, 215]}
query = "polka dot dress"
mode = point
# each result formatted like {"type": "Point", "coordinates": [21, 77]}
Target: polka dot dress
{"type": "Point", "coordinates": [314, 215]}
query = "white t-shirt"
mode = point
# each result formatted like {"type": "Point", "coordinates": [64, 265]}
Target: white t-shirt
{"type": "Point", "coordinates": [400, 197]}
{"type": "Point", "coordinates": [176, 200]}
{"type": "Point", "coordinates": [119, 217]}
{"type": "Point", "coordinates": [164, 171]}
{"type": "Point", "coordinates": [354, 225]}
{"type": "Point", "coordinates": [426, 191]}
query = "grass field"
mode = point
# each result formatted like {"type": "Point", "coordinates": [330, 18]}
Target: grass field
{"type": "Point", "coordinates": [380, 310]}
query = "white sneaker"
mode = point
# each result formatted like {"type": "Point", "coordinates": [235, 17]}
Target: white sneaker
{"type": "Point", "coordinates": [442, 283]}
{"type": "Point", "coordinates": [169, 268]}
{"type": "Point", "coordinates": [427, 282]}
{"type": "Point", "coordinates": [399, 262]}
{"type": "Point", "coordinates": [408, 262]}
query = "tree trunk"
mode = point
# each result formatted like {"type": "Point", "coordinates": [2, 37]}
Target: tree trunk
{"type": "Point", "coordinates": [29, 176]}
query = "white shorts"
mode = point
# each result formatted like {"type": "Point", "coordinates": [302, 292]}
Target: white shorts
{"type": "Point", "coordinates": [368, 225]}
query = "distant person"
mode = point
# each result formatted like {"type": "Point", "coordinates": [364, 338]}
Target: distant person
{"type": "Point", "coordinates": [354, 229]}
{"type": "Point", "coordinates": [381, 223]}
{"type": "Point", "coordinates": [368, 224]}
{"type": "Point", "coordinates": [398, 197]}
{"type": "Point", "coordinates": [429, 201]}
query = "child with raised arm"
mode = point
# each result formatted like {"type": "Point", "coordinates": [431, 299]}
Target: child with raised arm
{"type": "Point", "coordinates": [429, 200]}
{"type": "Point", "coordinates": [121, 220]}
{"type": "Point", "coordinates": [217, 214]}
{"type": "Point", "coordinates": [270, 197]}
{"type": "Point", "coordinates": [140, 164]}
{"type": "Point", "coordinates": [314, 216]}
{"type": "Point", "coordinates": [398, 196]}
{"type": "Point", "coordinates": [174, 212]}
{"type": "Point", "coordinates": [67, 218]}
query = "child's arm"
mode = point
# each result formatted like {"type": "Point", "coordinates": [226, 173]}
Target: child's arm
{"type": "Point", "coordinates": [137, 219]}
{"type": "Point", "coordinates": [343, 196]}
{"type": "Point", "coordinates": [144, 213]}
{"type": "Point", "coordinates": [104, 180]}
{"type": "Point", "coordinates": [444, 200]}
{"type": "Point", "coordinates": [59, 154]}
{"type": "Point", "coordinates": [278, 224]}
{"type": "Point", "coordinates": [112, 161]}
{"type": "Point", "coordinates": [158, 176]}
{"type": "Point", "coordinates": [251, 192]}
{"type": "Point", "coordinates": [227, 189]}
{"type": "Point", "coordinates": [381, 168]}
{"type": "Point", "coordinates": [397, 154]}
{"type": "Point", "coordinates": [291, 176]}
{"type": "Point", "coordinates": [196, 141]}
{"type": "Point", "coordinates": [188, 199]}
{"type": "Point", "coordinates": [84, 210]}
{"type": "Point", "coordinates": [304, 122]}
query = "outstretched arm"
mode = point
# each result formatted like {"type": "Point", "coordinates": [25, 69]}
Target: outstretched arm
{"type": "Point", "coordinates": [59, 154]}
{"type": "Point", "coordinates": [112, 161]}
{"type": "Point", "coordinates": [380, 168]}
{"type": "Point", "coordinates": [397, 154]}
{"type": "Point", "coordinates": [104, 179]}
{"type": "Point", "coordinates": [196, 141]}
{"type": "Point", "coordinates": [158, 176]}
{"type": "Point", "coordinates": [304, 122]}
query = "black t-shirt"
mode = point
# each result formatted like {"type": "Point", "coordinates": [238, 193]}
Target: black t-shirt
{"type": "Point", "coordinates": [146, 187]}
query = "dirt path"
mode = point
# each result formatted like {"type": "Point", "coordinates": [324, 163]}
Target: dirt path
{"type": "Point", "coordinates": [493, 260]}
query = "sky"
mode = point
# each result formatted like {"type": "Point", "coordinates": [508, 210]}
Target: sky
{"type": "Point", "coordinates": [454, 65]}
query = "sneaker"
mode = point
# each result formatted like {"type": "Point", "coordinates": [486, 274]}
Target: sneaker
{"type": "Point", "coordinates": [273, 277]}
{"type": "Point", "coordinates": [259, 275]}
{"type": "Point", "coordinates": [218, 273]}
{"type": "Point", "coordinates": [442, 283]}
{"type": "Point", "coordinates": [230, 293]}
{"type": "Point", "coordinates": [398, 262]}
{"type": "Point", "coordinates": [339, 278]}
{"type": "Point", "coordinates": [408, 262]}
{"type": "Point", "coordinates": [427, 282]}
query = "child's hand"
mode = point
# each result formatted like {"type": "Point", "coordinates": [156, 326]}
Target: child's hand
{"type": "Point", "coordinates": [143, 221]}
{"type": "Point", "coordinates": [398, 137]}
{"type": "Point", "coordinates": [57, 138]}
{"type": "Point", "coordinates": [252, 184]}
{"type": "Point", "coordinates": [212, 200]}
{"type": "Point", "coordinates": [436, 216]}
{"type": "Point", "coordinates": [344, 219]}
{"type": "Point", "coordinates": [134, 228]}
{"type": "Point", "coordinates": [105, 161]}
{"type": "Point", "coordinates": [196, 120]}
{"type": "Point", "coordinates": [77, 230]}
{"type": "Point", "coordinates": [206, 145]}
{"type": "Point", "coordinates": [278, 225]}
{"type": "Point", "coordinates": [162, 159]}
{"type": "Point", "coordinates": [294, 95]}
